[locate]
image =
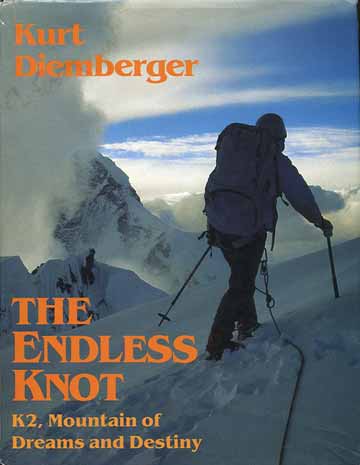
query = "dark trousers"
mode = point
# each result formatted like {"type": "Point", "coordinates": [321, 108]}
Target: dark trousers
{"type": "Point", "coordinates": [238, 302]}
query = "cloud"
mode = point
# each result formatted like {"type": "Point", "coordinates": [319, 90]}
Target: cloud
{"type": "Point", "coordinates": [159, 166]}
{"type": "Point", "coordinates": [328, 201]}
{"type": "Point", "coordinates": [186, 209]}
{"type": "Point", "coordinates": [156, 178]}
{"type": "Point", "coordinates": [151, 31]}
{"type": "Point", "coordinates": [326, 156]}
{"type": "Point", "coordinates": [196, 144]}
{"type": "Point", "coordinates": [333, 171]}
{"type": "Point", "coordinates": [191, 95]}
{"type": "Point", "coordinates": [319, 141]}
{"type": "Point", "coordinates": [45, 121]}
{"type": "Point", "coordinates": [294, 235]}
{"type": "Point", "coordinates": [185, 214]}
{"type": "Point", "coordinates": [313, 141]}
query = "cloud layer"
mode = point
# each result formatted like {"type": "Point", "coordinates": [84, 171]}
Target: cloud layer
{"type": "Point", "coordinates": [44, 121]}
{"type": "Point", "coordinates": [198, 30]}
{"type": "Point", "coordinates": [294, 235]}
{"type": "Point", "coordinates": [160, 166]}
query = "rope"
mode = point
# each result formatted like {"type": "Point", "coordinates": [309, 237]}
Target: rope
{"type": "Point", "coordinates": [270, 303]}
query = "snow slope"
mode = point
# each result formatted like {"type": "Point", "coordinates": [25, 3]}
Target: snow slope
{"type": "Point", "coordinates": [239, 405]}
{"type": "Point", "coordinates": [15, 281]}
{"type": "Point", "coordinates": [113, 289]}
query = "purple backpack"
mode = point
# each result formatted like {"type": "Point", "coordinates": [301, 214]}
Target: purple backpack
{"type": "Point", "coordinates": [241, 192]}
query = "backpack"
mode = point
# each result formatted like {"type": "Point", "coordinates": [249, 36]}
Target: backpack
{"type": "Point", "coordinates": [242, 190]}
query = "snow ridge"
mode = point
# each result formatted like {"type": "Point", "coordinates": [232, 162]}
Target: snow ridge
{"type": "Point", "coordinates": [238, 406]}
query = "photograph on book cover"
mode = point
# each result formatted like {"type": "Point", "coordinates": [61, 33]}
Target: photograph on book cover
{"type": "Point", "coordinates": [149, 152]}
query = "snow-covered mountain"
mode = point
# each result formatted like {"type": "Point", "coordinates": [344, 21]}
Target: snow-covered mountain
{"type": "Point", "coordinates": [15, 281]}
{"type": "Point", "coordinates": [113, 288]}
{"type": "Point", "coordinates": [112, 219]}
{"type": "Point", "coordinates": [237, 406]}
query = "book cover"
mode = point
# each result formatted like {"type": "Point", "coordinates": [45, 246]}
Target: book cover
{"type": "Point", "coordinates": [149, 151]}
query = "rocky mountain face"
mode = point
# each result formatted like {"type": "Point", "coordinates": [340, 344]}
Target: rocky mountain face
{"type": "Point", "coordinates": [112, 219]}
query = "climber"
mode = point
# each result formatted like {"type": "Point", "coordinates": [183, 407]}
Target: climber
{"type": "Point", "coordinates": [240, 203]}
{"type": "Point", "coordinates": [87, 275]}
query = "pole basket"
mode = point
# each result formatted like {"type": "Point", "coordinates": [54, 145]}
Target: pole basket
{"type": "Point", "coordinates": [163, 318]}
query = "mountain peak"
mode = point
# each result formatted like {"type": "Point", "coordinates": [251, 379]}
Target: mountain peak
{"type": "Point", "coordinates": [112, 219]}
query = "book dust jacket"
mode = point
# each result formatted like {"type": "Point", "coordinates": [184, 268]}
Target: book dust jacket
{"type": "Point", "coordinates": [179, 242]}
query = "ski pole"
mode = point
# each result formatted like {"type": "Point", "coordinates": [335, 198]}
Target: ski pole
{"type": "Point", "coordinates": [164, 316]}
{"type": "Point", "coordinates": [332, 266]}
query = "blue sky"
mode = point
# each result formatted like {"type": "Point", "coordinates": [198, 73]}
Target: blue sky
{"type": "Point", "coordinates": [299, 60]}
{"type": "Point", "coordinates": [322, 52]}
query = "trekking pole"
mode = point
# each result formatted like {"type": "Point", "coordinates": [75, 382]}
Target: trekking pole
{"type": "Point", "coordinates": [164, 316]}
{"type": "Point", "coordinates": [332, 266]}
